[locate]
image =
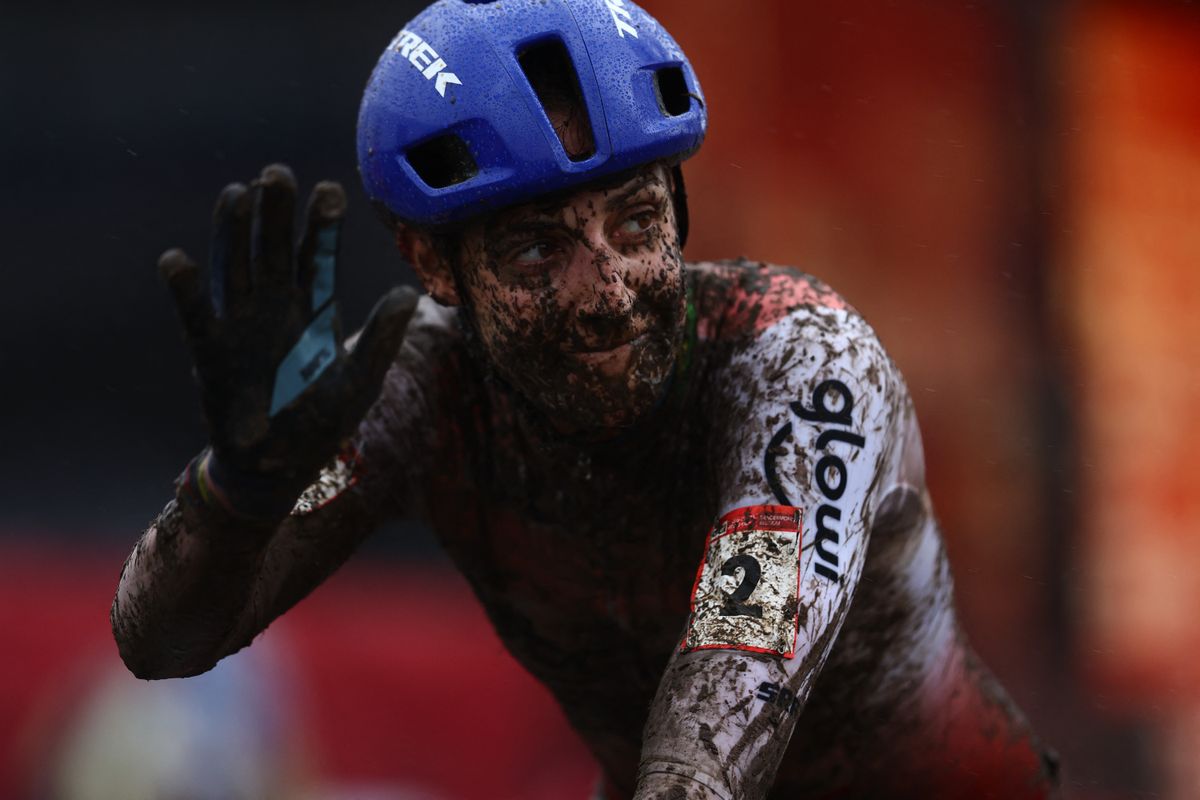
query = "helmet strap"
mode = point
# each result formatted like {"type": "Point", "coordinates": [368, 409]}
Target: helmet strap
{"type": "Point", "coordinates": [679, 197]}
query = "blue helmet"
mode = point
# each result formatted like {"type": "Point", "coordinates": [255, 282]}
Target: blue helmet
{"type": "Point", "coordinates": [453, 123]}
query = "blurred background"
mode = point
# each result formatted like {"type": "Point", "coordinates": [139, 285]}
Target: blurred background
{"type": "Point", "coordinates": [1009, 190]}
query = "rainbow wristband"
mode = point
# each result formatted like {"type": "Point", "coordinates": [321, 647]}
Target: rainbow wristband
{"type": "Point", "coordinates": [209, 492]}
{"type": "Point", "coordinates": [245, 497]}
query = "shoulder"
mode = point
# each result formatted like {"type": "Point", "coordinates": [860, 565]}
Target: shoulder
{"type": "Point", "coordinates": [796, 370]}
{"type": "Point", "coordinates": [788, 330]}
{"type": "Point", "coordinates": [740, 298]}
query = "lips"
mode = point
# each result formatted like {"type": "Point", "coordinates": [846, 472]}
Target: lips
{"type": "Point", "coordinates": [609, 337]}
{"type": "Point", "coordinates": [606, 347]}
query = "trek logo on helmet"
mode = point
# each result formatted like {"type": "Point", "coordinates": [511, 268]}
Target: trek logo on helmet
{"type": "Point", "coordinates": [425, 58]}
{"type": "Point", "coordinates": [621, 17]}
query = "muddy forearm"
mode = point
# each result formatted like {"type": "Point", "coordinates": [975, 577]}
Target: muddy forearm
{"type": "Point", "coordinates": [186, 590]}
{"type": "Point", "coordinates": [720, 725]}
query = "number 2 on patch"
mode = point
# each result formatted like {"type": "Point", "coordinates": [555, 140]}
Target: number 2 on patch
{"type": "Point", "coordinates": [747, 589]}
{"type": "Point", "coordinates": [736, 605]}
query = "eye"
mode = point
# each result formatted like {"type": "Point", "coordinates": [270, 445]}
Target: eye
{"type": "Point", "coordinates": [537, 253]}
{"type": "Point", "coordinates": [638, 222]}
{"type": "Point", "coordinates": [634, 226]}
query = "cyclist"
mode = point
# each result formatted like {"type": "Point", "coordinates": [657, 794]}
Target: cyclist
{"type": "Point", "coordinates": [665, 482]}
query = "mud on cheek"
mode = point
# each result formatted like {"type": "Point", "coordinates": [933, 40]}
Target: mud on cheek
{"type": "Point", "coordinates": [525, 334]}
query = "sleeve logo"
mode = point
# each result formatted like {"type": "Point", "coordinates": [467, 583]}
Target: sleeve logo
{"type": "Point", "coordinates": [828, 465]}
{"type": "Point", "coordinates": [746, 595]}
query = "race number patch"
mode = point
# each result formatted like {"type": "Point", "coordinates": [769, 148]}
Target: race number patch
{"type": "Point", "coordinates": [337, 477]}
{"type": "Point", "coordinates": [747, 591]}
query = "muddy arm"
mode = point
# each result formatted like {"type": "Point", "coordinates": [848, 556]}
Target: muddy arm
{"type": "Point", "coordinates": [815, 406]}
{"type": "Point", "coordinates": [201, 584]}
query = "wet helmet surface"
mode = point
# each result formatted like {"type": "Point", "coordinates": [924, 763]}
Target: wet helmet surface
{"type": "Point", "coordinates": [452, 125]}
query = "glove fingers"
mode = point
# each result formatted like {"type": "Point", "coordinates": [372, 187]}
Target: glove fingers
{"type": "Point", "coordinates": [376, 347]}
{"type": "Point", "coordinates": [317, 261]}
{"type": "Point", "coordinates": [229, 260]}
{"type": "Point", "coordinates": [272, 234]}
{"type": "Point", "coordinates": [183, 279]}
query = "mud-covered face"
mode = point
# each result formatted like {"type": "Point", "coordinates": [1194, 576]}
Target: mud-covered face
{"type": "Point", "coordinates": [580, 303]}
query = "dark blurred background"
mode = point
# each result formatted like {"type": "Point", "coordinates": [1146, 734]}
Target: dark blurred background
{"type": "Point", "coordinates": [121, 126]}
{"type": "Point", "coordinates": [1009, 191]}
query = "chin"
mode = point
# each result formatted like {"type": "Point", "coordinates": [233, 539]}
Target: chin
{"type": "Point", "coordinates": [594, 400]}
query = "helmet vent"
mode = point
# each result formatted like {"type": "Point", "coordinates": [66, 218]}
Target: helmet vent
{"type": "Point", "coordinates": [442, 161]}
{"type": "Point", "coordinates": [673, 96]}
{"type": "Point", "coordinates": [552, 76]}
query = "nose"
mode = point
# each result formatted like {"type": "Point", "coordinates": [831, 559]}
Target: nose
{"type": "Point", "coordinates": [602, 290]}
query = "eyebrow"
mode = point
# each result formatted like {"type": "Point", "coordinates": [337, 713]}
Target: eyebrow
{"type": "Point", "coordinates": [640, 183]}
{"type": "Point", "coordinates": [505, 233]}
{"type": "Point", "coordinates": [540, 215]}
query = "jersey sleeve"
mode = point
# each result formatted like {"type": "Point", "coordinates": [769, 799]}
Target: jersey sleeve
{"type": "Point", "coordinates": [809, 413]}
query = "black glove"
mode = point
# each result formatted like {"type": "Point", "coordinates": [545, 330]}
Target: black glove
{"type": "Point", "coordinates": [279, 390]}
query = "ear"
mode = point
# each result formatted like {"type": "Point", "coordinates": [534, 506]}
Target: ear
{"type": "Point", "coordinates": [433, 270]}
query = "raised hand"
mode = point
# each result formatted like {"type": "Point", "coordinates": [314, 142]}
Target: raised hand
{"type": "Point", "coordinates": [279, 390]}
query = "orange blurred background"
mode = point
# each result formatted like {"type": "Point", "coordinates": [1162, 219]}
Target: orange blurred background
{"type": "Point", "coordinates": [1010, 193]}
